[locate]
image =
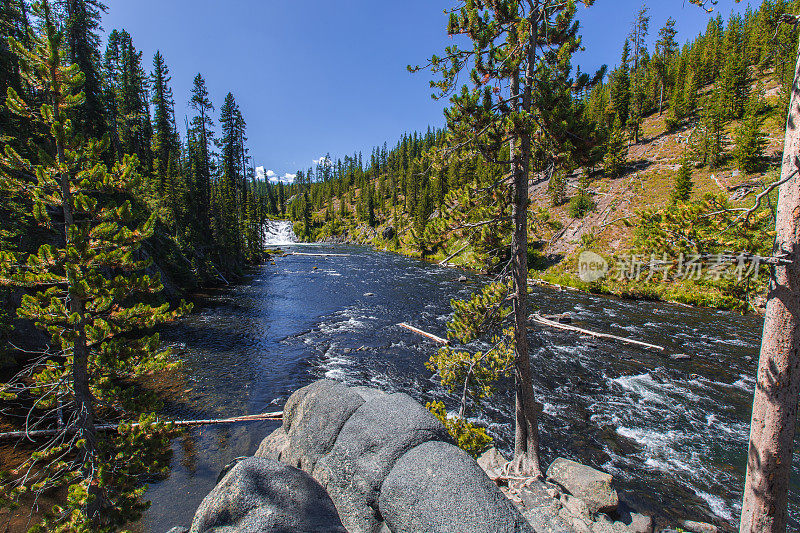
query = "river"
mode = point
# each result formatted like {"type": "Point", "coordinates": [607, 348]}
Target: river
{"type": "Point", "coordinates": [672, 432]}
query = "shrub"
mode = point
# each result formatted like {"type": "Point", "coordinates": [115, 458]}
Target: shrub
{"type": "Point", "coordinates": [580, 205]}
{"type": "Point", "coordinates": [471, 438]}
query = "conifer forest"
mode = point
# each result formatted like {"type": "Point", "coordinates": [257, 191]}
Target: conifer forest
{"type": "Point", "coordinates": [597, 268]}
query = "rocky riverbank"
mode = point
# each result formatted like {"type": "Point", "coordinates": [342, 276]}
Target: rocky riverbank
{"type": "Point", "coordinates": [360, 460]}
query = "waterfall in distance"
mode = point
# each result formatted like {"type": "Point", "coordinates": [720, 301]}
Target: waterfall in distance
{"type": "Point", "coordinates": [279, 233]}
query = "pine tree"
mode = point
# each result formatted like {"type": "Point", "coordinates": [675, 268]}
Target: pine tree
{"type": "Point", "coordinates": [734, 82]}
{"type": "Point", "coordinates": [621, 87]}
{"type": "Point", "coordinates": [616, 152]}
{"type": "Point", "coordinates": [200, 189]}
{"type": "Point", "coordinates": [677, 107]}
{"type": "Point", "coordinates": [13, 23]}
{"type": "Point", "coordinates": [638, 38]}
{"type": "Point", "coordinates": [708, 142]}
{"type": "Point", "coordinates": [127, 89]}
{"type": "Point", "coordinates": [371, 220]}
{"type": "Point", "coordinates": [666, 49]}
{"type": "Point", "coordinates": [749, 143]}
{"type": "Point", "coordinates": [229, 237]}
{"type": "Point", "coordinates": [83, 45]}
{"type": "Point", "coordinates": [90, 290]}
{"type": "Point", "coordinates": [683, 185]}
{"type": "Point", "coordinates": [557, 189]}
{"type": "Point", "coordinates": [508, 37]}
{"type": "Point", "coordinates": [165, 138]}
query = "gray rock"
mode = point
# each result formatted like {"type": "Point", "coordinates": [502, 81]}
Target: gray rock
{"type": "Point", "coordinates": [699, 527]}
{"type": "Point", "coordinates": [313, 417]}
{"type": "Point", "coordinates": [578, 525]}
{"type": "Point", "coordinates": [178, 529]}
{"type": "Point", "coordinates": [634, 522]}
{"type": "Point", "coordinates": [368, 446]}
{"type": "Point", "coordinates": [438, 488]}
{"type": "Point", "coordinates": [274, 446]}
{"type": "Point", "coordinates": [492, 462]}
{"type": "Point", "coordinates": [640, 523]}
{"type": "Point", "coordinates": [577, 507]}
{"type": "Point", "coordinates": [541, 508]}
{"type": "Point", "coordinates": [591, 485]}
{"type": "Point", "coordinates": [368, 393]}
{"type": "Point", "coordinates": [262, 496]}
{"type": "Point", "coordinates": [228, 467]}
{"type": "Point", "coordinates": [603, 525]}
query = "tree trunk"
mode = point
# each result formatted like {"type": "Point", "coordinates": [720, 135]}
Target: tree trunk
{"type": "Point", "coordinates": [84, 406]}
{"type": "Point", "coordinates": [769, 457]}
{"type": "Point", "coordinates": [661, 101]}
{"type": "Point", "coordinates": [80, 356]}
{"type": "Point", "coordinates": [526, 413]}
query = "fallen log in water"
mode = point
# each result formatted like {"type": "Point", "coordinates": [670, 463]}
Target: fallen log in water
{"type": "Point", "coordinates": [319, 255]}
{"type": "Point", "coordinates": [430, 336]}
{"type": "Point", "coordinates": [533, 281]}
{"type": "Point", "coordinates": [541, 320]}
{"type": "Point", "coordinates": [113, 427]}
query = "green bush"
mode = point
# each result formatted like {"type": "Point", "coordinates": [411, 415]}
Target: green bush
{"type": "Point", "coordinates": [471, 438]}
{"type": "Point", "coordinates": [580, 205]}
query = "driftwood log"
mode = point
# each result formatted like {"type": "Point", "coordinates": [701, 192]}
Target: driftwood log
{"type": "Point", "coordinates": [425, 334]}
{"type": "Point", "coordinates": [539, 319]}
{"type": "Point", "coordinates": [113, 427]}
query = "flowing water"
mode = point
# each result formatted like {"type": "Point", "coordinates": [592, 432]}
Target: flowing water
{"type": "Point", "coordinates": [672, 432]}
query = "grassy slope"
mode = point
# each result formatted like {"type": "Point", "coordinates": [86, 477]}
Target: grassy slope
{"type": "Point", "coordinates": [646, 184]}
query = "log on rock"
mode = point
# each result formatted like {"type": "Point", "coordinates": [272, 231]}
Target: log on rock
{"type": "Point", "coordinates": [539, 319]}
{"type": "Point", "coordinates": [113, 427]}
{"type": "Point", "coordinates": [430, 336]}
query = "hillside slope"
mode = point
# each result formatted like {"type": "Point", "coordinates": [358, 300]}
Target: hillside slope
{"type": "Point", "coordinates": [647, 181]}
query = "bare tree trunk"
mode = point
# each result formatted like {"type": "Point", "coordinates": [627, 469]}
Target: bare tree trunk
{"type": "Point", "coordinates": [772, 428]}
{"type": "Point", "coordinates": [526, 437]}
{"type": "Point", "coordinates": [661, 101]}
{"type": "Point", "coordinates": [84, 406]}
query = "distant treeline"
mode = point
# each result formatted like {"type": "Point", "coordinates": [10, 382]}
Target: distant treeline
{"type": "Point", "coordinates": [199, 177]}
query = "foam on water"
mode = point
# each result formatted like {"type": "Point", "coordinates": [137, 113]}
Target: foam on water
{"type": "Point", "coordinates": [716, 504]}
{"type": "Point", "coordinates": [279, 233]}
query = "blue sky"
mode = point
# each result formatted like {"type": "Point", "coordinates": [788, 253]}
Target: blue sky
{"type": "Point", "coordinates": [319, 76]}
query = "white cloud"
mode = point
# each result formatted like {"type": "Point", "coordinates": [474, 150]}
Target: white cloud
{"type": "Point", "coordinates": [263, 174]}
{"type": "Point", "coordinates": [324, 160]}
{"type": "Point", "coordinates": [286, 178]}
